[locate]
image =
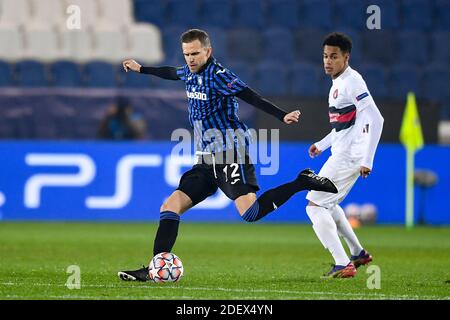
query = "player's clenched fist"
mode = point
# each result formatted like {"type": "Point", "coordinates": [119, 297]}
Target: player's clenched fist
{"type": "Point", "coordinates": [313, 151]}
{"type": "Point", "coordinates": [364, 172]}
{"type": "Point", "coordinates": [292, 117]}
{"type": "Point", "coordinates": [132, 65]}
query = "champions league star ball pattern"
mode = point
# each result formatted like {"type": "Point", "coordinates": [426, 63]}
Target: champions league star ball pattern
{"type": "Point", "coordinates": [165, 267]}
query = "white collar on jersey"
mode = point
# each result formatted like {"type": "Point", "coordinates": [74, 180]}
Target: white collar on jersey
{"type": "Point", "coordinates": [343, 74]}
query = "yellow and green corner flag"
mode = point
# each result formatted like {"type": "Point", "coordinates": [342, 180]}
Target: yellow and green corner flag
{"type": "Point", "coordinates": [412, 138]}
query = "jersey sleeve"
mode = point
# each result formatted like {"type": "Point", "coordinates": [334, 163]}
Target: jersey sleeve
{"type": "Point", "coordinates": [374, 122]}
{"type": "Point", "coordinates": [227, 83]}
{"type": "Point", "coordinates": [181, 73]}
{"type": "Point", "coordinates": [325, 143]}
{"type": "Point", "coordinates": [359, 93]}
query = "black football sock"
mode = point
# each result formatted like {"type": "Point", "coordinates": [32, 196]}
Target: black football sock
{"type": "Point", "coordinates": [272, 199]}
{"type": "Point", "coordinates": [167, 232]}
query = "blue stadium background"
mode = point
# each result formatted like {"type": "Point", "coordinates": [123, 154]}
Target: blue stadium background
{"type": "Point", "coordinates": [263, 39]}
{"type": "Point", "coordinates": [273, 45]}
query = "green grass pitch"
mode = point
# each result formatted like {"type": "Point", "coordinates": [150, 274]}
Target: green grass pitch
{"type": "Point", "coordinates": [221, 261]}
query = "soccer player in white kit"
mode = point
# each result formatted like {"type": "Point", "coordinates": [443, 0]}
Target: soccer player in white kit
{"type": "Point", "coordinates": [356, 129]}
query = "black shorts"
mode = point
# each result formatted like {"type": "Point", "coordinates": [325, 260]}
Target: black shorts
{"type": "Point", "coordinates": [235, 179]}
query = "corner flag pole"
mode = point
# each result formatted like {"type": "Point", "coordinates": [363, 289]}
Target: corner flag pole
{"type": "Point", "coordinates": [409, 219]}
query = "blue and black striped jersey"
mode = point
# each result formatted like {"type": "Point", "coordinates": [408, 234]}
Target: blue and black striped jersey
{"type": "Point", "coordinates": [213, 108]}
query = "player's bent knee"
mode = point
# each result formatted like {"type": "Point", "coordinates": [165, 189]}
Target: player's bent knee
{"type": "Point", "coordinates": [178, 202]}
{"type": "Point", "coordinates": [249, 208]}
{"type": "Point", "coordinates": [164, 207]}
{"type": "Point", "coordinates": [245, 202]}
{"type": "Point", "coordinates": [171, 206]}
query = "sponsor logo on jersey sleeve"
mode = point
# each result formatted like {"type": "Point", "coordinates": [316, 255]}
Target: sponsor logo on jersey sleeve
{"type": "Point", "coordinates": [230, 84]}
{"type": "Point", "coordinates": [362, 96]}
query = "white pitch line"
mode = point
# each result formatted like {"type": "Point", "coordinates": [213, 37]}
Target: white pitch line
{"type": "Point", "coordinates": [319, 293]}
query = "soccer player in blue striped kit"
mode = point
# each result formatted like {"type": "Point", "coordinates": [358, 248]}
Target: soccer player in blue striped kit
{"type": "Point", "coordinates": [223, 160]}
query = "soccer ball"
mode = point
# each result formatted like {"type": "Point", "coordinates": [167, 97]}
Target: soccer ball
{"type": "Point", "coordinates": [165, 267]}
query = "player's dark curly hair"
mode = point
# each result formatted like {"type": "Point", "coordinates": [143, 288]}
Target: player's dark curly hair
{"type": "Point", "coordinates": [196, 34]}
{"type": "Point", "coordinates": [338, 39]}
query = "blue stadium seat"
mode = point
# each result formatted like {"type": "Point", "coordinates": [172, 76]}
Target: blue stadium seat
{"type": "Point", "coordinates": [305, 80]}
{"type": "Point", "coordinates": [442, 10]}
{"type": "Point", "coordinates": [219, 43]}
{"type": "Point", "coordinates": [271, 79]}
{"type": "Point", "coordinates": [19, 120]}
{"type": "Point", "coordinates": [390, 13]}
{"type": "Point", "coordinates": [172, 47]}
{"type": "Point", "coordinates": [158, 83]}
{"type": "Point", "coordinates": [86, 123]}
{"type": "Point", "coordinates": [100, 74]}
{"type": "Point", "coordinates": [244, 71]}
{"type": "Point", "coordinates": [445, 111]}
{"type": "Point", "coordinates": [217, 12]}
{"type": "Point", "coordinates": [278, 44]}
{"type": "Point", "coordinates": [309, 45]}
{"type": "Point", "coordinates": [440, 44]}
{"type": "Point", "coordinates": [378, 46]}
{"type": "Point", "coordinates": [284, 13]}
{"type": "Point", "coordinates": [402, 79]}
{"type": "Point", "coordinates": [316, 14]}
{"type": "Point", "coordinates": [412, 47]}
{"type": "Point", "coordinates": [86, 129]}
{"type": "Point", "coordinates": [133, 80]}
{"type": "Point", "coordinates": [350, 14]}
{"type": "Point", "coordinates": [63, 119]}
{"type": "Point", "coordinates": [356, 56]}
{"type": "Point", "coordinates": [435, 81]}
{"type": "Point", "coordinates": [43, 118]}
{"type": "Point", "coordinates": [244, 44]}
{"type": "Point", "coordinates": [325, 83]}
{"type": "Point", "coordinates": [22, 125]}
{"type": "Point", "coordinates": [6, 129]}
{"type": "Point", "coordinates": [249, 14]}
{"type": "Point", "coordinates": [6, 74]}
{"type": "Point", "coordinates": [65, 74]}
{"type": "Point", "coordinates": [417, 14]}
{"type": "Point", "coordinates": [31, 74]}
{"type": "Point", "coordinates": [375, 76]}
{"type": "Point", "coordinates": [184, 13]}
{"type": "Point", "coordinates": [150, 11]}
{"type": "Point", "coordinates": [65, 128]}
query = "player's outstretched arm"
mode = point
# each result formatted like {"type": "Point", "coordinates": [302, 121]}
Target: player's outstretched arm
{"type": "Point", "coordinates": [374, 127]}
{"type": "Point", "coordinates": [169, 73]}
{"type": "Point", "coordinates": [317, 148]}
{"type": "Point", "coordinates": [253, 98]}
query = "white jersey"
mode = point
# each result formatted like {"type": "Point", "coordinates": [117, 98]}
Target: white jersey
{"type": "Point", "coordinates": [348, 96]}
{"type": "Point", "coordinates": [357, 125]}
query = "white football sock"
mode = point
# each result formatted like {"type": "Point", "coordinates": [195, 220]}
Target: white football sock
{"type": "Point", "coordinates": [326, 231]}
{"type": "Point", "coordinates": [346, 230]}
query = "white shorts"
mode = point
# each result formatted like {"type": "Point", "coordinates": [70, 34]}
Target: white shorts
{"type": "Point", "coordinates": [344, 173]}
